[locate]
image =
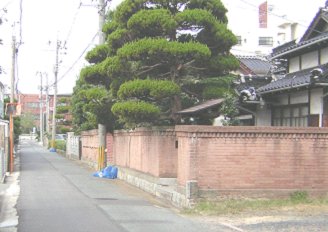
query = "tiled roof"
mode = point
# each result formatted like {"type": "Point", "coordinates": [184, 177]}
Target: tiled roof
{"type": "Point", "coordinates": [294, 80]}
{"type": "Point", "coordinates": [320, 38]}
{"type": "Point", "coordinates": [252, 81]}
{"type": "Point", "coordinates": [314, 27]}
{"type": "Point", "coordinates": [283, 47]}
{"type": "Point", "coordinates": [258, 65]}
{"type": "Point", "coordinates": [202, 106]}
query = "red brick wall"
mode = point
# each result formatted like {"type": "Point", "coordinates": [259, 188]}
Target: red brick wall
{"type": "Point", "coordinates": [90, 145]}
{"type": "Point", "coordinates": [146, 150]}
{"type": "Point", "coordinates": [256, 158]}
{"type": "Point", "coordinates": [109, 147]}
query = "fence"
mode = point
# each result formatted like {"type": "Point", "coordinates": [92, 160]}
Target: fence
{"type": "Point", "coordinates": [3, 150]}
{"type": "Point", "coordinates": [73, 146]}
{"type": "Point", "coordinates": [209, 160]}
{"type": "Point", "coordinates": [151, 151]}
{"type": "Point", "coordinates": [90, 148]}
{"type": "Point", "coordinates": [241, 159]}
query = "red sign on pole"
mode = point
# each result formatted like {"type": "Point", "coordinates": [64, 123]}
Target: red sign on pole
{"type": "Point", "coordinates": [263, 15]}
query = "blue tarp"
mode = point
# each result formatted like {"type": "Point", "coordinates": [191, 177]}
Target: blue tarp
{"type": "Point", "coordinates": [109, 172]}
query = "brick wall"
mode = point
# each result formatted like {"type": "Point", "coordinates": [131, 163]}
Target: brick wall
{"type": "Point", "coordinates": [253, 158]}
{"type": "Point", "coordinates": [146, 150]}
{"type": "Point", "coordinates": [90, 144]}
{"type": "Point", "coordinates": [109, 147]}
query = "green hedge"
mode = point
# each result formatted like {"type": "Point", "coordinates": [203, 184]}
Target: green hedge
{"type": "Point", "coordinates": [60, 145]}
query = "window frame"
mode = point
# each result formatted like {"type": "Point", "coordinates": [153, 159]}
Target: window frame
{"type": "Point", "coordinates": [280, 118]}
{"type": "Point", "coordinates": [265, 41]}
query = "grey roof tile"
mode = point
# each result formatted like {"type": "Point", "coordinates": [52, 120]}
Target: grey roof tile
{"type": "Point", "coordinates": [289, 49]}
{"type": "Point", "coordinates": [294, 80]}
{"type": "Point", "coordinates": [257, 65]}
{"type": "Point", "coordinates": [202, 106]}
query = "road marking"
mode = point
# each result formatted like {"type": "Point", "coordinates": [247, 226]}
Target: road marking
{"type": "Point", "coordinates": [231, 226]}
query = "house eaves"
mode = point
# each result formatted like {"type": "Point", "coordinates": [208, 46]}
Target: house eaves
{"type": "Point", "coordinates": [313, 25]}
{"type": "Point", "coordinates": [302, 78]}
{"type": "Point", "coordinates": [302, 45]}
{"type": "Point", "coordinates": [202, 106]}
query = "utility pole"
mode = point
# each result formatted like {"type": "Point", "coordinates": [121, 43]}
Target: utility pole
{"type": "Point", "coordinates": [47, 107]}
{"type": "Point", "coordinates": [41, 110]}
{"type": "Point", "coordinates": [101, 128]}
{"type": "Point", "coordinates": [102, 17]}
{"type": "Point", "coordinates": [12, 99]}
{"type": "Point", "coordinates": [53, 137]}
{"type": "Point", "coordinates": [13, 65]}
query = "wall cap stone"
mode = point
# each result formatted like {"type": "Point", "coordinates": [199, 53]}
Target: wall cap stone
{"type": "Point", "coordinates": [250, 132]}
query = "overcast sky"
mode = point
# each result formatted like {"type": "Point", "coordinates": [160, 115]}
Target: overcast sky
{"type": "Point", "coordinates": [45, 21]}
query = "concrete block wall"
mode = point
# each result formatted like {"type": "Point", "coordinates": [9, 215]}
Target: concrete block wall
{"type": "Point", "coordinates": [90, 145]}
{"type": "Point", "coordinates": [73, 146]}
{"type": "Point", "coordinates": [152, 151]}
{"type": "Point", "coordinates": [253, 158]}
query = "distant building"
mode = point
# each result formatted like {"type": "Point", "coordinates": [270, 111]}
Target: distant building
{"type": "Point", "coordinates": [264, 31]}
{"type": "Point", "coordinates": [30, 104]}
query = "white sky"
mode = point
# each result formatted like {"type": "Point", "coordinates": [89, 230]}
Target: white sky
{"type": "Point", "coordinates": [47, 20]}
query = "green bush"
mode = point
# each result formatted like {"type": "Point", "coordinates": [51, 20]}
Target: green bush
{"type": "Point", "coordinates": [62, 109]}
{"type": "Point", "coordinates": [299, 196]}
{"type": "Point", "coordinates": [60, 145]}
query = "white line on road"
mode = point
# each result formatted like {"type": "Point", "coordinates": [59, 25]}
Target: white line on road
{"type": "Point", "coordinates": [231, 226]}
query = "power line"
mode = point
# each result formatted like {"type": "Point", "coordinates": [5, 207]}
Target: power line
{"type": "Point", "coordinates": [75, 62]}
{"type": "Point", "coordinates": [4, 7]}
{"type": "Point", "coordinates": [73, 23]}
{"type": "Point", "coordinates": [20, 21]}
{"type": "Point", "coordinates": [8, 3]}
{"type": "Point", "coordinates": [279, 16]}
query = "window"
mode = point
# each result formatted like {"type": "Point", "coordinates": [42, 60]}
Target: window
{"type": "Point", "coordinates": [238, 40]}
{"type": "Point", "coordinates": [265, 41]}
{"type": "Point", "coordinates": [294, 116]}
{"type": "Point", "coordinates": [32, 104]}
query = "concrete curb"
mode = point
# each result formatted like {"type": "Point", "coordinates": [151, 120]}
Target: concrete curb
{"type": "Point", "coordinates": [155, 186]}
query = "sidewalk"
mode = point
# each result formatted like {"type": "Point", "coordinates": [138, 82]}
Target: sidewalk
{"type": "Point", "coordinates": [9, 193]}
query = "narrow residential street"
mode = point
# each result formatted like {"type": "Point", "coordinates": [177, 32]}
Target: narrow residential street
{"type": "Point", "coordinates": [57, 194]}
{"type": "Point", "coordinates": [61, 195]}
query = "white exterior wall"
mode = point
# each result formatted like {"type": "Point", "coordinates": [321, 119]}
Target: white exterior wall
{"type": "Point", "coordinates": [324, 56]}
{"type": "Point", "coordinates": [263, 116]}
{"type": "Point", "coordinates": [282, 99]}
{"type": "Point", "coordinates": [250, 30]}
{"type": "Point", "coordinates": [299, 97]}
{"type": "Point", "coordinates": [316, 101]}
{"type": "Point", "coordinates": [310, 60]}
{"type": "Point", "coordinates": [294, 64]}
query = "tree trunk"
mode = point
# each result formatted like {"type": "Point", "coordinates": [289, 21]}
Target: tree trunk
{"type": "Point", "coordinates": [176, 101]}
{"type": "Point", "coordinates": [176, 107]}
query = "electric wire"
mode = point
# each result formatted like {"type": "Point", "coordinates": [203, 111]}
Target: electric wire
{"type": "Point", "coordinates": [73, 23]}
{"type": "Point", "coordinates": [4, 7]}
{"type": "Point", "coordinates": [83, 52]}
{"type": "Point", "coordinates": [20, 21]}
{"type": "Point", "coordinates": [75, 62]}
{"type": "Point", "coordinates": [279, 16]}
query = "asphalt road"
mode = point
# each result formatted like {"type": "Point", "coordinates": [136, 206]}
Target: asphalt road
{"type": "Point", "coordinates": [60, 195]}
